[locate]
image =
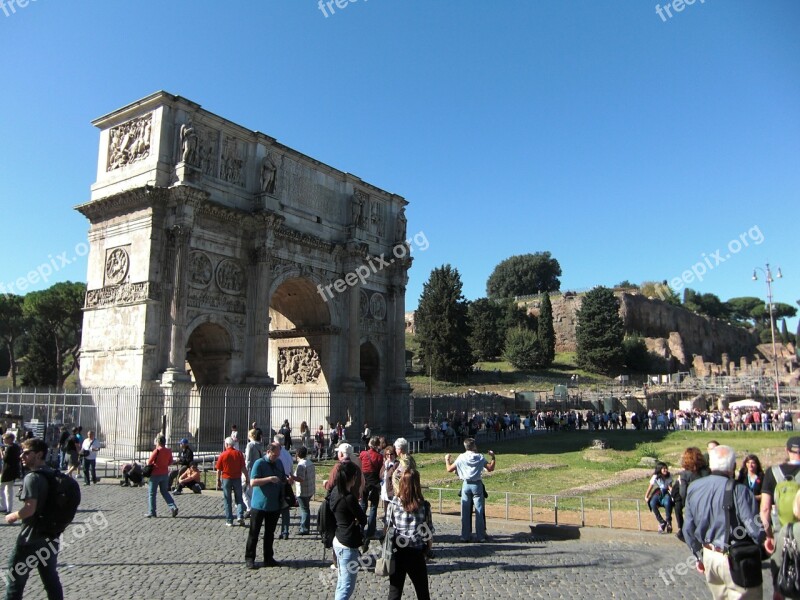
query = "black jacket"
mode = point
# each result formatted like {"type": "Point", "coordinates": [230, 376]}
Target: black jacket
{"type": "Point", "coordinates": [11, 466]}
{"type": "Point", "coordinates": [350, 519]}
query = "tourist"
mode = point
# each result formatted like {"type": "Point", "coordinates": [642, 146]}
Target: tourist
{"type": "Point", "coordinates": [286, 461]}
{"type": "Point", "coordinates": [404, 460]}
{"type": "Point", "coordinates": [161, 459]}
{"type": "Point", "coordinates": [752, 475]}
{"type": "Point", "coordinates": [785, 470]}
{"type": "Point", "coordinates": [89, 450]}
{"type": "Point", "coordinates": [71, 447]}
{"type": "Point", "coordinates": [286, 432]}
{"type": "Point", "coordinates": [705, 522]}
{"type": "Point", "coordinates": [185, 458]}
{"type": "Point", "coordinates": [191, 478]}
{"type": "Point", "coordinates": [410, 516]}
{"type": "Point", "coordinates": [371, 465]}
{"type": "Point", "coordinates": [658, 495]}
{"type": "Point", "coordinates": [319, 443]}
{"type": "Point", "coordinates": [305, 478]}
{"type": "Point", "coordinates": [305, 435]}
{"type": "Point", "coordinates": [387, 490]}
{"type": "Point", "coordinates": [470, 466]}
{"type": "Point", "coordinates": [694, 466]}
{"type": "Point", "coordinates": [10, 473]}
{"type": "Point", "coordinates": [268, 479]}
{"type": "Point", "coordinates": [252, 452]}
{"type": "Point", "coordinates": [230, 467]}
{"type": "Point", "coordinates": [350, 520]}
{"type": "Point", "coordinates": [33, 547]}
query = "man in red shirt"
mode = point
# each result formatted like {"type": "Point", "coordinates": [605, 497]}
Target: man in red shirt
{"type": "Point", "coordinates": [371, 464]}
{"type": "Point", "coordinates": [230, 468]}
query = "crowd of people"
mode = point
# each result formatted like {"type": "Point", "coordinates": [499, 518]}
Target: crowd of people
{"type": "Point", "coordinates": [731, 521]}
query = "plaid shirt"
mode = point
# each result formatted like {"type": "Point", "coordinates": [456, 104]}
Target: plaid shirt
{"type": "Point", "coordinates": [413, 526]}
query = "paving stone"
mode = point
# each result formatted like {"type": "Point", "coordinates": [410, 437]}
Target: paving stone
{"type": "Point", "coordinates": [113, 552]}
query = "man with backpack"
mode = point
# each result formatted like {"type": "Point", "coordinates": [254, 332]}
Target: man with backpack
{"type": "Point", "coordinates": [781, 484]}
{"type": "Point", "coordinates": [33, 546]}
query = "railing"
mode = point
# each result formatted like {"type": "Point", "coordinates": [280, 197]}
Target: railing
{"type": "Point", "coordinates": [619, 513]}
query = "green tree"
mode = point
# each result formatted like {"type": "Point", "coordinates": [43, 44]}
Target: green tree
{"type": "Point", "coordinates": [57, 315]}
{"type": "Point", "coordinates": [625, 285]}
{"type": "Point", "coordinates": [39, 367]}
{"type": "Point", "coordinates": [523, 349]}
{"type": "Point", "coordinates": [442, 325]}
{"type": "Point", "coordinates": [705, 304]}
{"type": "Point", "coordinates": [12, 328]}
{"type": "Point", "coordinates": [600, 332]}
{"type": "Point", "coordinates": [741, 309]}
{"type": "Point", "coordinates": [516, 316]}
{"type": "Point", "coordinates": [523, 275]}
{"type": "Point", "coordinates": [661, 291]}
{"type": "Point", "coordinates": [547, 334]}
{"type": "Point", "coordinates": [637, 358]}
{"type": "Point", "coordinates": [487, 326]}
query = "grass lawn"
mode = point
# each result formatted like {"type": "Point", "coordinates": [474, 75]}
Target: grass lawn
{"type": "Point", "coordinates": [559, 462]}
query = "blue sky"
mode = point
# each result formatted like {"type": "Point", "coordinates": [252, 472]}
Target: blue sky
{"type": "Point", "coordinates": [628, 146]}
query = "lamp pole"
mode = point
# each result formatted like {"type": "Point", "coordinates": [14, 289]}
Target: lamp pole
{"type": "Point", "coordinates": [768, 276]}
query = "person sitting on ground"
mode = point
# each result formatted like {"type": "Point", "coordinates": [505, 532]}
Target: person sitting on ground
{"type": "Point", "coordinates": [191, 478]}
{"type": "Point", "coordinates": [185, 458]}
{"type": "Point", "coordinates": [132, 475]}
{"type": "Point", "coordinates": [658, 495]}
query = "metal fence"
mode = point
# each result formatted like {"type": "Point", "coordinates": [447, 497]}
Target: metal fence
{"type": "Point", "coordinates": [425, 408]}
{"type": "Point", "coordinates": [127, 420]}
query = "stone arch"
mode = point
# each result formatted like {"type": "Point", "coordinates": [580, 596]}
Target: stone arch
{"type": "Point", "coordinates": [301, 334]}
{"type": "Point", "coordinates": [209, 350]}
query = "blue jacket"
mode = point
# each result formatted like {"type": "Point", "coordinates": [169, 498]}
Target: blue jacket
{"type": "Point", "coordinates": [268, 496]}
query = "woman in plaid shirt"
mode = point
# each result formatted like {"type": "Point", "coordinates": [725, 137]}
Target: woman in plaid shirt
{"type": "Point", "coordinates": [410, 514]}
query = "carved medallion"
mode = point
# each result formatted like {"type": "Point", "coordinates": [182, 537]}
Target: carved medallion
{"type": "Point", "coordinates": [377, 306]}
{"type": "Point", "coordinates": [117, 264]}
{"type": "Point", "coordinates": [201, 269]}
{"type": "Point", "coordinates": [230, 277]}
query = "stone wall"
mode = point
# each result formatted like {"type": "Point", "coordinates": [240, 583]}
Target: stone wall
{"type": "Point", "coordinates": [671, 332]}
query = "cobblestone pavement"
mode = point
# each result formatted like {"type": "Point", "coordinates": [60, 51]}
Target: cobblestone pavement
{"type": "Point", "coordinates": [113, 552]}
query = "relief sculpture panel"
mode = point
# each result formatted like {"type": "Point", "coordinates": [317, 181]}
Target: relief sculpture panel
{"type": "Point", "coordinates": [129, 142]}
{"type": "Point", "coordinates": [298, 365]}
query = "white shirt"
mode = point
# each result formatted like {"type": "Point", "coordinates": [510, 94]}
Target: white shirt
{"type": "Point", "coordinates": [93, 446]}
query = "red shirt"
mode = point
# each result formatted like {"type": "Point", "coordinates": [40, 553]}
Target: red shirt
{"type": "Point", "coordinates": [231, 463]}
{"type": "Point", "coordinates": [161, 459]}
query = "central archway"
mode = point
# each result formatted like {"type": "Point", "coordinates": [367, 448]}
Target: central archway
{"type": "Point", "coordinates": [208, 355]}
{"type": "Point", "coordinates": [370, 371]}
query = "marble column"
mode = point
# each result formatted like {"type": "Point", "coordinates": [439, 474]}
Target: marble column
{"type": "Point", "coordinates": [257, 359]}
{"type": "Point", "coordinates": [176, 363]}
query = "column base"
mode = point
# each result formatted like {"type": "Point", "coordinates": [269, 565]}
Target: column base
{"type": "Point", "coordinates": [172, 376]}
{"type": "Point", "coordinates": [260, 380]}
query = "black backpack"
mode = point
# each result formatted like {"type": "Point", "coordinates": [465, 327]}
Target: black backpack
{"type": "Point", "coordinates": [788, 577]}
{"type": "Point", "coordinates": [63, 499]}
{"type": "Point", "coordinates": [326, 522]}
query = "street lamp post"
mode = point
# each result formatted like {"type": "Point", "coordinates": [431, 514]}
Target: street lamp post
{"type": "Point", "coordinates": [768, 276]}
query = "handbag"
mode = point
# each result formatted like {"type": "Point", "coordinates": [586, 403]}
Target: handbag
{"type": "Point", "coordinates": [744, 555]}
{"type": "Point", "coordinates": [288, 495]}
{"type": "Point", "coordinates": [147, 470]}
{"type": "Point", "coordinates": [384, 566]}
{"type": "Point", "coordinates": [787, 581]}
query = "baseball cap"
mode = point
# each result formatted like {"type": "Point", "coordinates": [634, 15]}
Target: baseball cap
{"type": "Point", "coordinates": [184, 441]}
{"type": "Point", "coordinates": [793, 444]}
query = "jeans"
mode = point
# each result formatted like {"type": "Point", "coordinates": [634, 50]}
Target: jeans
{"type": "Point", "coordinates": [269, 520]}
{"type": "Point", "coordinates": [661, 499]}
{"type": "Point", "coordinates": [372, 495]}
{"type": "Point", "coordinates": [409, 561]}
{"type": "Point", "coordinates": [303, 504]}
{"type": "Point", "coordinates": [235, 486]}
{"type": "Point", "coordinates": [472, 494]}
{"type": "Point", "coordinates": [89, 465]}
{"type": "Point", "coordinates": [159, 483]}
{"type": "Point", "coordinates": [286, 518]}
{"type": "Point", "coordinates": [347, 559]}
{"type": "Point", "coordinates": [46, 562]}
{"type": "Point", "coordinates": [7, 496]}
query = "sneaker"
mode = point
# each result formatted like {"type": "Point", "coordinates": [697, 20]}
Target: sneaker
{"type": "Point", "coordinates": [662, 528]}
{"type": "Point", "coordinates": [150, 516]}
{"type": "Point", "coordinates": [669, 527]}
{"type": "Point", "coordinates": [250, 563]}
{"type": "Point", "coordinates": [271, 563]}
{"type": "Point", "coordinates": [196, 488]}
{"type": "Point", "coordinates": [174, 511]}
{"type": "Point", "coordinates": [229, 523]}
{"type": "Point", "coordinates": [247, 514]}
{"type": "Point", "coordinates": [177, 492]}
{"type": "Point", "coordinates": [334, 567]}
{"type": "Point", "coordinates": [241, 522]}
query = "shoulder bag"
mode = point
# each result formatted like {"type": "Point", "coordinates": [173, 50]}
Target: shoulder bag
{"type": "Point", "coordinates": [384, 566]}
{"type": "Point", "coordinates": [147, 470]}
{"type": "Point", "coordinates": [744, 555]}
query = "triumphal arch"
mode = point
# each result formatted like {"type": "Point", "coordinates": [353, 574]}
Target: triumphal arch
{"type": "Point", "coordinates": [219, 256]}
